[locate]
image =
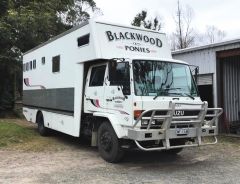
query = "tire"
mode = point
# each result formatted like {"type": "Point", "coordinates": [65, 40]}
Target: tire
{"type": "Point", "coordinates": [109, 146]}
{"type": "Point", "coordinates": [43, 131]}
{"type": "Point", "coordinates": [176, 142]}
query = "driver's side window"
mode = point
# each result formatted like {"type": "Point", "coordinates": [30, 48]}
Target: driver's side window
{"type": "Point", "coordinates": [97, 76]}
{"type": "Point", "coordinates": [119, 75]}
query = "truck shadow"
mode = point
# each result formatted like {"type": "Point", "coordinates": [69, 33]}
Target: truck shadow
{"type": "Point", "coordinates": [133, 156]}
{"type": "Point", "coordinates": [138, 156]}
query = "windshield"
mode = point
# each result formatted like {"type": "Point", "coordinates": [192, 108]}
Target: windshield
{"type": "Point", "coordinates": [159, 78]}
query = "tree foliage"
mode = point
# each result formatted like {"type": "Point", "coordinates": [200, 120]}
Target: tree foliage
{"type": "Point", "coordinates": [80, 11]}
{"type": "Point", "coordinates": [25, 24]}
{"type": "Point", "coordinates": [141, 20]}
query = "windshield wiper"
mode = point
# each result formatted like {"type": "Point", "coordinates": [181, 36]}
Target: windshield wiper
{"type": "Point", "coordinates": [181, 94]}
{"type": "Point", "coordinates": [192, 97]}
{"type": "Point", "coordinates": [156, 97]}
{"type": "Point", "coordinates": [166, 89]}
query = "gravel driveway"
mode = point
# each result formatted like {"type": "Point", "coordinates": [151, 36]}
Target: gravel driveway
{"type": "Point", "coordinates": [79, 163]}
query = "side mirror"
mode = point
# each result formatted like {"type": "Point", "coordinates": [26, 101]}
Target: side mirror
{"type": "Point", "coordinates": [195, 72]}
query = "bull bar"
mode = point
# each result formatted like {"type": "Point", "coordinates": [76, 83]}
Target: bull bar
{"type": "Point", "coordinates": [200, 126]}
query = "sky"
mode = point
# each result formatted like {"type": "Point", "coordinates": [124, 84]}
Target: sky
{"type": "Point", "coordinates": [224, 14]}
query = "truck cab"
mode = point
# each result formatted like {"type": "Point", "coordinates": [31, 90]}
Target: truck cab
{"type": "Point", "coordinates": [151, 102]}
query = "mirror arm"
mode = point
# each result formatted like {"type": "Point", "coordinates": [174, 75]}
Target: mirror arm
{"type": "Point", "coordinates": [122, 92]}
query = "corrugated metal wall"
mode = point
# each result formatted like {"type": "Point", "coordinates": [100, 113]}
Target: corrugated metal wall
{"type": "Point", "coordinates": [205, 79]}
{"type": "Point", "coordinates": [205, 59]}
{"type": "Point", "coordinates": [231, 87]}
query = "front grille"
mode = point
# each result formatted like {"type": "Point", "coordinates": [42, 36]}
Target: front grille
{"type": "Point", "coordinates": [157, 123]}
{"type": "Point", "coordinates": [159, 113]}
{"type": "Point", "coordinates": [182, 126]}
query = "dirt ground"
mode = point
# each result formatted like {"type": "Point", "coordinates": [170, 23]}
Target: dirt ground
{"type": "Point", "coordinates": [74, 161]}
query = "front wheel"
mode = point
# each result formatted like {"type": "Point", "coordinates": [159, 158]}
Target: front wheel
{"type": "Point", "coordinates": [176, 142]}
{"type": "Point", "coordinates": [108, 143]}
{"type": "Point", "coordinates": [174, 151]}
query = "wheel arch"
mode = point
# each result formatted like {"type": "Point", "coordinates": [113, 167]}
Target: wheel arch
{"type": "Point", "coordinates": [119, 130]}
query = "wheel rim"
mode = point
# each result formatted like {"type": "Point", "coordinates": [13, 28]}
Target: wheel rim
{"type": "Point", "coordinates": [106, 141]}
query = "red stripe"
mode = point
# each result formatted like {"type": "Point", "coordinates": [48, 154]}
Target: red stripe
{"type": "Point", "coordinates": [97, 103]}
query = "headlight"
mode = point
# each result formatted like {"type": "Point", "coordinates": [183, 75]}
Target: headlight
{"type": "Point", "coordinates": [144, 122]}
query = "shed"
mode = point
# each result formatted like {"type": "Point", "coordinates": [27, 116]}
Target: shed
{"type": "Point", "coordinates": [219, 78]}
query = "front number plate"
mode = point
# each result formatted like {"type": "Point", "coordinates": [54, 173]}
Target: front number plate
{"type": "Point", "coordinates": [182, 131]}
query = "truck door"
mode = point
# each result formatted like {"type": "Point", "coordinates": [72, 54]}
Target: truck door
{"type": "Point", "coordinates": [94, 90]}
{"type": "Point", "coordinates": [118, 93]}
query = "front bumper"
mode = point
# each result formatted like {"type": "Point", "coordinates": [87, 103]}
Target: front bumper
{"type": "Point", "coordinates": [202, 125]}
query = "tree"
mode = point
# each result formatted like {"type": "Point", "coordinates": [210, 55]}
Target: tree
{"type": "Point", "coordinates": [213, 34]}
{"type": "Point", "coordinates": [3, 7]}
{"type": "Point", "coordinates": [141, 20]}
{"type": "Point", "coordinates": [25, 24]}
{"type": "Point", "coordinates": [80, 11]}
{"type": "Point", "coordinates": [184, 35]}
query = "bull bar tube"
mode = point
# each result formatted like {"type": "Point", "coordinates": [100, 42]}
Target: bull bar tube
{"type": "Point", "coordinates": [201, 126]}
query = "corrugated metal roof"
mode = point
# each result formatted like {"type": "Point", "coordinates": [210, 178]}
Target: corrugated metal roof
{"type": "Point", "coordinates": [209, 46]}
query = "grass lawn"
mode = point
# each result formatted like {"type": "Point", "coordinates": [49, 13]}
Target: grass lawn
{"type": "Point", "coordinates": [21, 135]}
{"type": "Point", "coordinates": [11, 133]}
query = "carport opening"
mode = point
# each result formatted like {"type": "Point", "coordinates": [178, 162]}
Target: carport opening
{"type": "Point", "coordinates": [206, 94]}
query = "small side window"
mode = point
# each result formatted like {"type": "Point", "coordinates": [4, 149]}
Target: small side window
{"type": "Point", "coordinates": [34, 64]}
{"type": "Point", "coordinates": [43, 60]}
{"type": "Point", "coordinates": [97, 76]}
{"type": "Point", "coordinates": [83, 40]}
{"type": "Point", "coordinates": [56, 64]}
{"type": "Point", "coordinates": [27, 66]}
{"type": "Point", "coordinates": [30, 65]}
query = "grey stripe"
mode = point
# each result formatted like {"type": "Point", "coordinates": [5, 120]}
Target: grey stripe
{"type": "Point", "coordinates": [61, 99]}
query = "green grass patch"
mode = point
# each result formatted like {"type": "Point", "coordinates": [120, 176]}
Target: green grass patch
{"type": "Point", "coordinates": [11, 133]}
{"type": "Point", "coordinates": [20, 136]}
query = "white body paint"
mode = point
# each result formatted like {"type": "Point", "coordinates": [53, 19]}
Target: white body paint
{"type": "Point", "coordinates": [111, 102]}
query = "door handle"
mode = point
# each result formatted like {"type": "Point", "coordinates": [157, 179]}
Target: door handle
{"type": "Point", "coordinates": [87, 98]}
{"type": "Point", "coordinates": [109, 100]}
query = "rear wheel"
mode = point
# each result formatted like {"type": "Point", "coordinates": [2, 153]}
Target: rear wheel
{"type": "Point", "coordinates": [43, 131]}
{"type": "Point", "coordinates": [108, 143]}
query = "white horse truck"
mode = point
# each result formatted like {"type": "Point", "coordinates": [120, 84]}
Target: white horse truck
{"type": "Point", "coordinates": [119, 86]}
